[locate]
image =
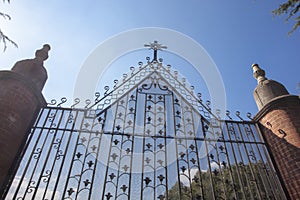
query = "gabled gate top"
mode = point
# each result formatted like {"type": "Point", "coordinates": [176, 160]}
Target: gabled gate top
{"type": "Point", "coordinates": [176, 83]}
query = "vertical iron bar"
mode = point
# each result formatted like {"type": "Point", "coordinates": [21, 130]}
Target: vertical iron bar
{"type": "Point", "coordinates": [72, 161]}
{"type": "Point", "coordinates": [132, 144]}
{"type": "Point", "coordinates": [110, 147]}
{"type": "Point", "coordinates": [98, 151]}
{"type": "Point", "coordinates": [122, 141]}
{"type": "Point", "coordinates": [243, 163]}
{"type": "Point", "coordinates": [143, 147]}
{"type": "Point", "coordinates": [176, 146]}
{"type": "Point", "coordinates": [47, 157]}
{"type": "Point", "coordinates": [197, 153]}
{"type": "Point", "coordinates": [235, 159]}
{"type": "Point", "coordinates": [166, 153]}
{"type": "Point", "coordinates": [82, 171]}
{"type": "Point", "coordinates": [208, 163]}
{"type": "Point", "coordinates": [37, 160]}
{"type": "Point", "coordinates": [62, 162]}
{"type": "Point", "coordinates": [154, 145]}
{"type": "Point", "coordinates": [270, 182]}
{"type": "Point", "coordinates": [250, 163]}
{"type": "Point", "coordinates": [186, 150]}
{"type": "Point", "coordinates": [228, 160]}
{"type": "Point", "coordinates": [259, 171]}
{"type": "Point", "coordinates": [218, 158]}
{"type": "Point", "coordinates": [32, 153]}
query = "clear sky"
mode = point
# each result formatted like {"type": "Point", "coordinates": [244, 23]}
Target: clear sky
{"type": "Point", "coordinates": [235, 34]}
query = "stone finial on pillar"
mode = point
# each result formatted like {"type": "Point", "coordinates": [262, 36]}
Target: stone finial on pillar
{"type": "Point", "coordinates": [33, 69]}
{"type": "Point", "coordinates": [266, 90]}
{"type": "Point", "coordinates": [42, 54]}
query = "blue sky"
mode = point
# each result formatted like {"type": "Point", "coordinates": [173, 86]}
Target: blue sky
{"type": "Point", "coordinates": [235, 34]}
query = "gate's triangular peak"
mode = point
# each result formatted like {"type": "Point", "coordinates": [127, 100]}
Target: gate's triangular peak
{"type": "Point", "coordinates": [177, 83]}
{"type": "Point", "coordinates": [160, 86]}
{"type": "Point", "coordinates": [152, 101]}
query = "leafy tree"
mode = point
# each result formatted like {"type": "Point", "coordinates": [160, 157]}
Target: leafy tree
{"type": "Point", "coordinates": [235, 182]}
{"type": "Point", "coordinates": [291, 8]}
{"type": "Point", "coordinates": [4, 38]}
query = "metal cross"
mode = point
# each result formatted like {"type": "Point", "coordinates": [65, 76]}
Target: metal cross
{"type": "Point", "coordinates": [155, 46]}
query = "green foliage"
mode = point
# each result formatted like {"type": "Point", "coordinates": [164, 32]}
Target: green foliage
{"type": "Point", "coordinates": [237, 182]}
{"type": "Point", "coordinates": [290, 8]}
{"type": "Point", "coordinates": [4, 38]}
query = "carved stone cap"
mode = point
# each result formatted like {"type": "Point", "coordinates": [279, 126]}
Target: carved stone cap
{"type": "Point", "coordinates": [33, 69]}
{"type": "Point", "coordinates": [266, 90]}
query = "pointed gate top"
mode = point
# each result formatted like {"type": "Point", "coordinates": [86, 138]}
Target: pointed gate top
{"type": "Point", "coordinates": [155, 46]}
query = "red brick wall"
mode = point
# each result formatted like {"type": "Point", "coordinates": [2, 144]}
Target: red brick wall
{"type": "Point", "coordinates": [280, 122]}
{"type": "Point", "coordinates": [19, 103]}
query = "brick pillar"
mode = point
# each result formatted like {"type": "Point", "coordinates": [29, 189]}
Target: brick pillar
{"type": "Point", "coordinates": [20, 102]}
{"type": "Point", "coordinates": [279, 119]}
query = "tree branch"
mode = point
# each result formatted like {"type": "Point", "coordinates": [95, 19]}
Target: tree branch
{"type": "Point", "coordinates": [291, 8]}
{"type": "Point", "coordinates": [5, 16]}
{"type": "Point", "coordinates": [6, 39]}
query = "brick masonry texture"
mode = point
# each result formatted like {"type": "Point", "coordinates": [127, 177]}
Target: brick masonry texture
{"type": "Point", "coordinates": [19, 103]}
{"type": "Point", "coordinates": [280, 123]}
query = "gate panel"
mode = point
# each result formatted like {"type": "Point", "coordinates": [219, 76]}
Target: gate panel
{"type": "Point", "coordinates": [71, 154]}
{"type": "Point", "coordinates": [150, 138]}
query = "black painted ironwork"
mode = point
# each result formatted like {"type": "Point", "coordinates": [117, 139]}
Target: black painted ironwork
{"type": "Point", "coordinates": [148, 138]}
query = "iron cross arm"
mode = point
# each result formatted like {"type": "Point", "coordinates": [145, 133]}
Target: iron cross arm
{"type": "Point", "coordinates": [155, 46]}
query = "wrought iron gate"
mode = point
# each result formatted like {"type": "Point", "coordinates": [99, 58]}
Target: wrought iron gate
{"type": "Point", "coordinates": [149, 138]}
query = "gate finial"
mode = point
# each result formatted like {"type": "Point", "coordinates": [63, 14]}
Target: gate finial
{"type": "Point", "coordinates": [155, 46]}
{"type": "Point", "coordinates": [258, 73]}
{"type": "Point", "coordinates": [42, 54]}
